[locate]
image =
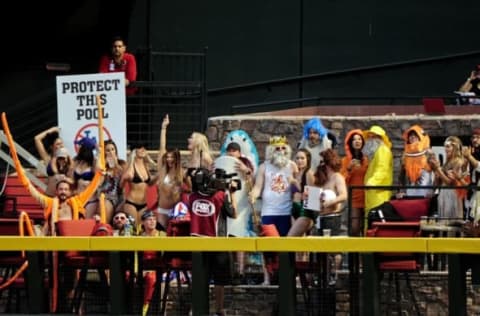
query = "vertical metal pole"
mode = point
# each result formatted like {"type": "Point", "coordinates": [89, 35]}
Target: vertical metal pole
{"type": "Point", "coordinates": [204, 107]}
{"type": "Point", "coordinates": [35, 290]}
{"type": "Point", "coordinates": [371, 295]}
{"type": "Point", "coordinates": [353, 264]}
{"type": "Point", "coordinates": [148, 27]}
{"type": "Point", "coordinates": [457, 300]}
{"type": "Point", "coordinates": [287, 287]}
{"type": "Point", "coordinates": [300, 52]}
{"type": "Point", "coordinates": [200, 288]}
{"type": "Point", "coordinates": [117, 285]}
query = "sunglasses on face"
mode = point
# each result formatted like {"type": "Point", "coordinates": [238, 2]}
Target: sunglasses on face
{"type": "Point", "coordinates": [119, 218]}
{"type": "Point", "coordinates": [280, 148]}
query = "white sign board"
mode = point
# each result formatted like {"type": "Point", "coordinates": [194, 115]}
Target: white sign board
{"type": "Point", "coordinates": [78, 113]}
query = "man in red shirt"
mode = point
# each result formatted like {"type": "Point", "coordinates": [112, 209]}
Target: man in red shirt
{"type": "Point", "coordinates": [118, 60]}
{"type": "Point", "coordinates": [209, 208]}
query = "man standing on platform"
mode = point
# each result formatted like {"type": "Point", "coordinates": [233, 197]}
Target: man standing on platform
{"type": "Point", "coordinates": [118, 60]}
{"type": "Point", "coordinates": [380, 166]}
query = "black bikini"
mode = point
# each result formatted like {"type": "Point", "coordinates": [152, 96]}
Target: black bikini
{"type": "Point", "coordinates": [137, 178]}
{"type": "Point", "coordinates": [138, 207]}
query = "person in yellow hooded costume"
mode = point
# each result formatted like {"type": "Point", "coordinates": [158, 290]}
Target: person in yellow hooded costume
{"type": "Point", "coordinates": [380, 166]}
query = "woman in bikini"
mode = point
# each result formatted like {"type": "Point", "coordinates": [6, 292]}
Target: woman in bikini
{"type": "Point", "coordinates": [170, 177]}
{"type": "Point", "coordinates": [84, 171]}
{"type": "Point", "coordinates": [57, 160]}
{"type": "Point", "coordinates": [199, 152]}
{"type": "Point", "coordinates": [304, 219]}
{"type": "Point", "coordinates": [200, 156]}
{"type": "Point", "coordinates": [138, 177]}
{"type": "Point", "coordinates": [111, 184]}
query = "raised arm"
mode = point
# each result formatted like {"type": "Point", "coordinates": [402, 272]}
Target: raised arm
{"type": "Point", "coordinates": [127, 175]}
{"type": "Point", "coordinates": [467, 85]}
{"type": "Point", "coordinates": [42, 152]}
{"type": "Point", "coordinates": [86, 194]}
{"type": "Point", "coordinates": [41, 198]}
{"type": "Point", "coordinates": [163, 141]}
{"type": "Point", "coordinates": [257, 188]}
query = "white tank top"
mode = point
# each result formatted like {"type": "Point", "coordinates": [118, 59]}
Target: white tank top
{"type": "Point", "coordinates": [276, 196]}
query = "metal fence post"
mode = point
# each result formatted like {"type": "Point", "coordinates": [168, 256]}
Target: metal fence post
{"type": "Point", "coordinates": [287, 286]}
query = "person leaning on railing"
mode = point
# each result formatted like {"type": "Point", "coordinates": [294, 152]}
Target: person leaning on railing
{"type": "Point", "coordinates": [118, 60]}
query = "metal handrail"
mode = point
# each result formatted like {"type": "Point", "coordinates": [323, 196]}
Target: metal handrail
{"type": "Point", "coordinates": [339, 72]}
{"type": "Point", "coordinates": [319, 99]}
{"type": "Point", "coordinates": [28, 157]}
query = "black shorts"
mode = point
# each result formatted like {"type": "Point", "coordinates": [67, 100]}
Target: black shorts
{"type": "Point", "coordinates": [333, 222]}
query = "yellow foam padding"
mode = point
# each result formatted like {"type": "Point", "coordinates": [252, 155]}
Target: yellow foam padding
{"type": "Point", "coordinates": [280, 244]}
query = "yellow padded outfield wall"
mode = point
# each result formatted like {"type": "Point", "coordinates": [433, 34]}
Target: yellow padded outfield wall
{"type": "Point", "coordinates": [282, 244]}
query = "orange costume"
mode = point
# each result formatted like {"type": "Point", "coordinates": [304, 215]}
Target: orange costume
{"type": "Point", "coordinates": [51, 204]}
{"type": "Point", "coordinates": [356, 175]}
{"type": "Point", "coordinates": [415, 154]}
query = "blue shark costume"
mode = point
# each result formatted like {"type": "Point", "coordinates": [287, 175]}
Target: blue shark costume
{"type": "Point", "coordinates": [241, 226]}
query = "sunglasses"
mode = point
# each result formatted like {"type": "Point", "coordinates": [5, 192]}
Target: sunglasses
{"type": "Point", "coordinates": [280, 148]}
{"type": "Point", "coordinates": [119, 218]}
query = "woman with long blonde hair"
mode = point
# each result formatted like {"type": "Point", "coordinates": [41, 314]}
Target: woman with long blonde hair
{"type": "Point", "coordinates": [453, 173]}
{"type": "Point", "coordinates": [137, 176]}
{"type": "Point", "coordinates": [200, 151]}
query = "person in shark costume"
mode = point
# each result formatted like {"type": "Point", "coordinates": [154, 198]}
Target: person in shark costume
{"type": "Point", "coordinates": [238, 154]}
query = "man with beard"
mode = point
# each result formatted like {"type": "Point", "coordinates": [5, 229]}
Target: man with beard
{"type": "Point", "coordinates": [118, 60]}
{"type": "Point", "coordinates": [272, 182]}
{"type": "Point", "coordinates": [63, 205]}
{"type": "Point", "coordinates": [316, 138]}
{"type": "Point", "coordinates": [380, 166]}
{"type": "Point", "coordinates": [119, 222]}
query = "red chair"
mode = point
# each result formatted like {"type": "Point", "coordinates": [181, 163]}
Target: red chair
{"type": "Point", "coordinates": [72, 261]}
{"type": "Point", "coordinates": [395, 263]}
{"type": "Point", "coordinates": [12, 265]}
{"type": "Point", "coordinates": [411, 209]}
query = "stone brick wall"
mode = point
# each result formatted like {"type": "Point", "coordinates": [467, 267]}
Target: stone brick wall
{"type": "Point", "coordinates": [430, 290]}
{"type": "Point", "coordinates": [261, 127]}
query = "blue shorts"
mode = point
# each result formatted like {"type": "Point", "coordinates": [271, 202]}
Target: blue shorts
{"type": "Point", "coordinates": [282, 222]}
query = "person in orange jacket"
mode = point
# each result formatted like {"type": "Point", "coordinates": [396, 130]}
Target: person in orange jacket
{"type": "Point", "coordinates": [354, 167]}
